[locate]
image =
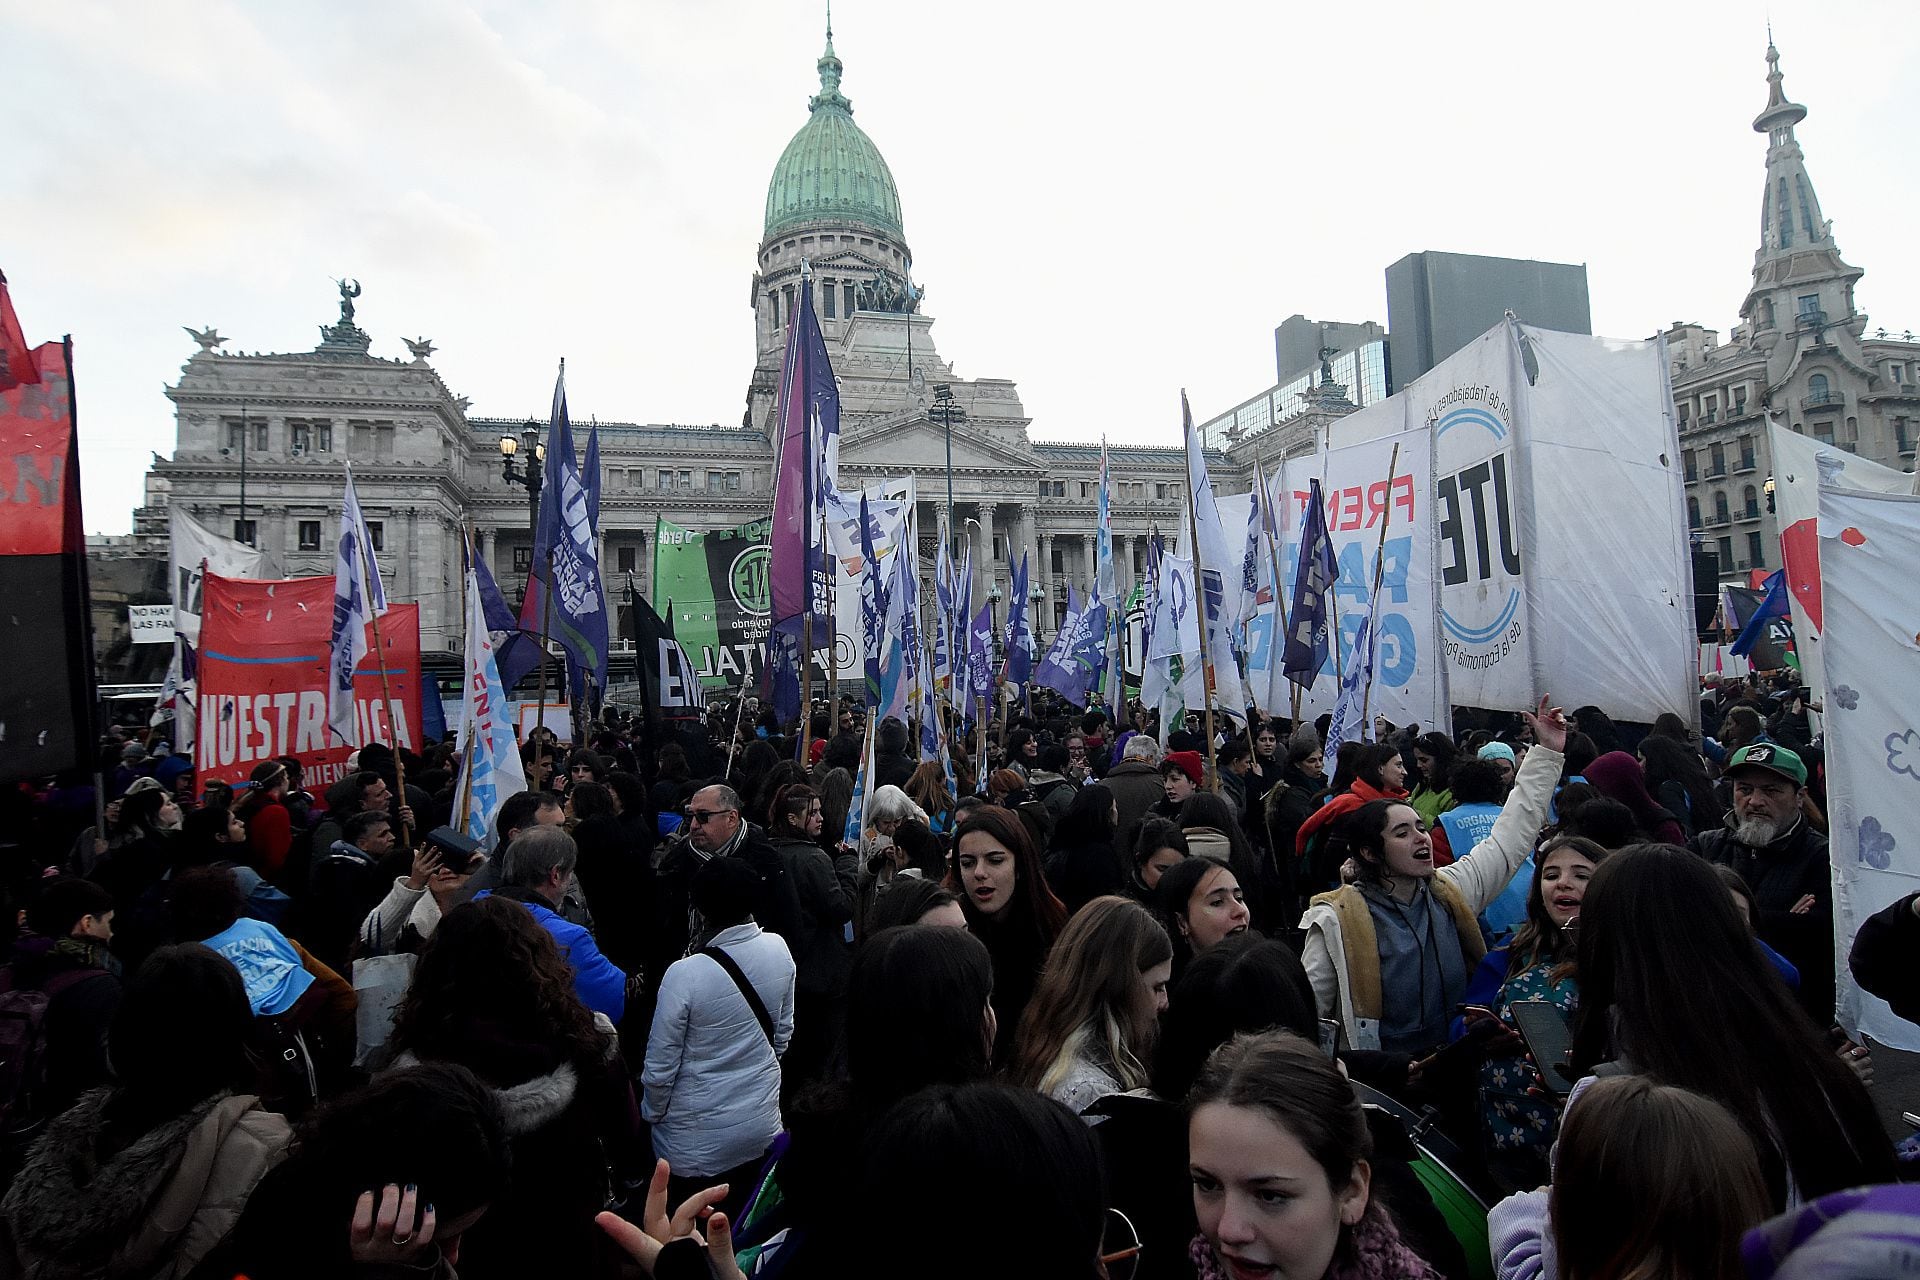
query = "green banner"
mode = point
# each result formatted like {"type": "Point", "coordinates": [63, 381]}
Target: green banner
{"type": "Point", "coordinates": [714, 588]}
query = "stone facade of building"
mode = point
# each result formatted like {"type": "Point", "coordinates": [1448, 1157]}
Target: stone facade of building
{"type": "Point", "coordinates": [1802, 355]}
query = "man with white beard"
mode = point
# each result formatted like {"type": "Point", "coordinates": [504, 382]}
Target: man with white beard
{"type": "Point", "coordinates": [1769, 843]}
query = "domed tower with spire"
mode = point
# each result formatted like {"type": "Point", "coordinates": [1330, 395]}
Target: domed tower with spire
{"type": "Point", "coordinates": [1797, 258]}
{"type": "Point", "coordinates": [832, 205]}
{"type": "Point", "coordinates": [1801, 358]}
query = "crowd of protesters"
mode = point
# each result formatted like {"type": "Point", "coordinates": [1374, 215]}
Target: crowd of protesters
{"type": "Point", "coordinates": [1533, 995]}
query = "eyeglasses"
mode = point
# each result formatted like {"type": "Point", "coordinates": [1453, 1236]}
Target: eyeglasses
{"type": "Point", "coordinates": [1119, 1246]}
{"type": "Point", "coordinates": [701, 817]}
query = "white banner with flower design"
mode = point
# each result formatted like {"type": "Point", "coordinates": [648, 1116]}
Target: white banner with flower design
{"type": "Point", "coordinates": [1869, 545]}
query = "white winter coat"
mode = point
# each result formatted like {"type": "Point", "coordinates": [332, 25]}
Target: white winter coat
{"type": "Point", "coordinates": [711, 1080]}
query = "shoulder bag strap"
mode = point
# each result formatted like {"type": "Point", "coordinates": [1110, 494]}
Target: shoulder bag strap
{"type": "Point", "coordinates": [754, 1003]}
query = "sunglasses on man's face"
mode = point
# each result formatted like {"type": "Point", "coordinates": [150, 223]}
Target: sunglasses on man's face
{"type": "Point", "coordinates": [701, 817]}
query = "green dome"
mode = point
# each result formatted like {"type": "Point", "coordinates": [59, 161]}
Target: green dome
{"type": "Point", "coordinates": [831, 171]}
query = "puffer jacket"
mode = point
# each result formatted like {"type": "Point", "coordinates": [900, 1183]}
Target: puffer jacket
{"type": "Point", "coordinates": [712, 1080]}
{"type": "Point", "coordinates": [154, 1208]}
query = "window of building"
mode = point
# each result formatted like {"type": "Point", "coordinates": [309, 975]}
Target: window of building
{"type": "Point", "coordinates": [1053, 488]}
{"type": "Point", "coordinates": [237, 437]}
{"type": "Point", "coordinates": [523, 559]}
{"type": "Point", "coordinates": [1709, 410]}
{"type": "Point", "coordinates": [1746, 453]}
{"type": "Point", "coordinates": [1725, 548]}
{"type": "Point", "coordinates": [309, 535]}
{"type": "Point", "coordinates": [377, 532]}
{"type": "Point", "coordinates": [1902, 436]}
{"type": "Point", "coordinates": [1720, 513]}
{"type": "Point", "coordinates": [245, 531]}
{"type": "Point", "coordinates": [1750, 503]}
{"type": "Point", "coordinates": [1819, 390]}
{"type": "Point", "coordinates": [827, 298]}
{"type": "Point", "coordinates": [1686, 457]}
{"type": "Point", "coordinates": [1719, 464]}
{"type": "Point", "coordinates": [626, 558]}
{"type": "Point", "coordinates": [1739, 400]}
{"type": "Point", "coordinates": [773, 308]}
{"type": "Point", "coordinates": [1823, 432]}
{"type": "Point", "coordinates": [788, 290]}
{"type": "Point", "coordinates": [1806, 305]}
{"type": "Point", "coordinates": [1756, 552]}
{"type": "Point", "coordinates": [722, 481]}
{"type": "Point", "coordinates": [846, 298]}
{"type": "Point", "coordinates": [1693, 512]}
{"type": "Point", "coordinates": [1766, 313]}
{"type": "Point", "coordinates": [1784, 215]}
{"type": "Point", "coordinates": [1685, 417]}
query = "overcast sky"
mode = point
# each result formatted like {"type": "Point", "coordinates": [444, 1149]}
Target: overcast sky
{"type": "Point", "coordinates": [1105, 202]}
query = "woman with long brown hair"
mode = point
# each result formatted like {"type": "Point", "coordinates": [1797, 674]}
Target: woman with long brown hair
{"type": "Point", "coordinates": [493, 993]}
{"type": "Point", "coordinates": [1090, 1028]}
{"type": "Point", "coordinates": [1008, 906]}
{"type": "Point", "coordinates": [1650, 1181]}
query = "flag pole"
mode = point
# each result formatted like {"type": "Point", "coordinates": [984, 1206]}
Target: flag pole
{"type": "Point", "coordinates": [466, 729]}
{"type": "Point", "coordinates": [1200, 590]}
{"type": "Point", "coordinates": [739, 714]}
{"type": "Point", "coordinates": [386, 698]}
{"type": "Point", "coordinates": [1379, 565]}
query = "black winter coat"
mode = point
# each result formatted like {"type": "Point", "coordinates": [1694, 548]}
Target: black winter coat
{"type": "Point", "coordinates": [1793, 866]}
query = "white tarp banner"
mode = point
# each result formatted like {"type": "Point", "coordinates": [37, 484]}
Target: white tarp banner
{"type": "Point", "coordinates": [1560, 522]}
{"type": "Point", "coordinates": [1410, 685]}
{"type": "Point", "coordinates": [194, 547]}
{"type": "Point", "coordinates": [891, 507]}
{"type": "Point", "coordinates": [1869, 544]}
{"type": "Point", "coordinates": [1486, 616]}
{"type": "Point", "coordinates": [1801, 465]}
{"type": "Point", "coordinates": [150, 623]}
{"type": "Point", "coordinates": [1605, 524]}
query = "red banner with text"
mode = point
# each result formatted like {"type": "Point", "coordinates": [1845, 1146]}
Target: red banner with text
{"type": "Point", "coordinates": [263, 679]}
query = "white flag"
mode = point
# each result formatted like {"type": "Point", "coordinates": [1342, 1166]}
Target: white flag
{"type": "Point", "coordinates": [192, 548]}
{"type": "Point", "coordinates": [358, 598]}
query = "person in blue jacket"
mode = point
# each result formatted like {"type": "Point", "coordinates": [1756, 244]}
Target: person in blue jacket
{"type": "Point", "coordinates": [535, 872]}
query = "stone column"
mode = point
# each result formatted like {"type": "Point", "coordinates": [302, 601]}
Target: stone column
{"type": "Point", "coordinates": [1086, 547]}
{"type": "Point", "coordinates": [982, 551]}
{"type": "Point", "coordinates": [485, 537]}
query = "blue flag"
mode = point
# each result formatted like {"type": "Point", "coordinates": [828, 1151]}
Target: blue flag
{"type": "Point", "coordinates": [1306, 651]}
{"type": "Point", "coordinates": [490, 769]}
{"type": "Point", "coordinates": [1773, 606]}
{"type": "Point", "coordinates": [1020, 646]}
{"type": "Point", "coordinates": [873, 610]}
{"type": "Point", "coordinates": [1073, 661]}
{"type": "Point", "coordinates": [566, 565]}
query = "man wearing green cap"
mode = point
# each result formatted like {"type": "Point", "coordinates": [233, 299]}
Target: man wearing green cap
{"type": "Point", "coordinates": [1769, 842]}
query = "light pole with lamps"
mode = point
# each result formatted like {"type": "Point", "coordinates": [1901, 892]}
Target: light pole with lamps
{"type": "Point", "coordinates": [241, 531]}
{"type": "Point", "coordinates": [529, 477]}
{"type": "Point", "coordinates": [946, 411]}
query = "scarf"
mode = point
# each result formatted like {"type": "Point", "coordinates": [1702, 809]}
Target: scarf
{"type": "Point", "coordinates": [87, 953]}
{"type": "Point", "coordinates": [1371, 1250]}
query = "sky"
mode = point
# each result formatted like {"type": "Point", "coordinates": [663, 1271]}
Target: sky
{"type": "Point", "coordinates": [1105, 203]}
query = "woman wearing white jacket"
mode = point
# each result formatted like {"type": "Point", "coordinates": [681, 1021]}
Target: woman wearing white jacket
{"type": "Point", "coordinates": [1389, 956]}
{"type": "Point", "coordinates": [712, 1074]}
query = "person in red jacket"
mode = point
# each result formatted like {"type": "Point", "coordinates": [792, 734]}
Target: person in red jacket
{"type": "Point", "coordinates": [269, 827]}
{"type": "Point", "coordinates": [1379, 775]}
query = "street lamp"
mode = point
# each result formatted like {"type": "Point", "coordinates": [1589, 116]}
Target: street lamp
{"type": "Point", "coordinates": [946, 411]}
{"type": "Point", "coordinates": [1768, 488]}
{"type": "Point", "coordinates": [993, 608]}
{"type": "Point", "coordinates": [241, 533]}
{"type": "Point", "coordinates": [530, 476]}
{"type": "Point", "coordinates": [1036, 595]}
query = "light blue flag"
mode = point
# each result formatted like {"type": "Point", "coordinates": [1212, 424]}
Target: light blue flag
{"type": "Point", "coordinates": [490, 769]}
{"type": "Point", "coordinates": [1349, 723]}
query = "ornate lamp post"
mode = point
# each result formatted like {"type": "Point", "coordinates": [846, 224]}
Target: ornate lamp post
{"type": "Point", "coordinates": [530, 476]}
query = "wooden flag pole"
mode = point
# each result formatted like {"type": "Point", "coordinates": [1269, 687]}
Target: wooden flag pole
{"type": "Point", "coordinates": [1200, 593]}
{"type": "Point", "coordinates": [1379, 564]}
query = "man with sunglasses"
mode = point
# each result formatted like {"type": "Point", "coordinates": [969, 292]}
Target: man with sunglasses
{"type": "Point", "coordinates": [716, 828]}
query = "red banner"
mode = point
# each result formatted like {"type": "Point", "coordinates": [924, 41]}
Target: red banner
{"type": "Point", "coordinates": [263, 679]}
{"type": "Point", "coordinates": [36, 439]}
